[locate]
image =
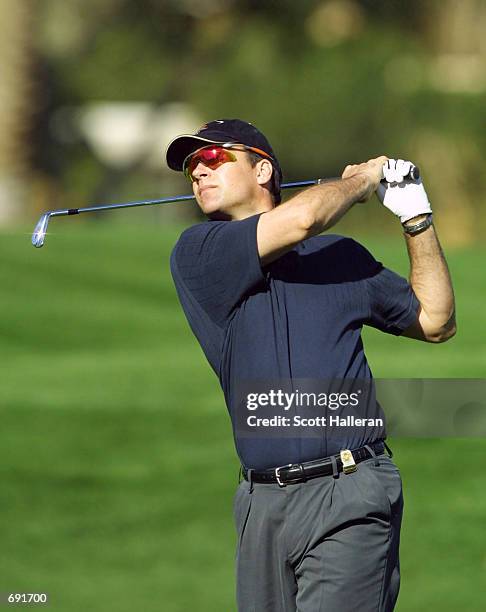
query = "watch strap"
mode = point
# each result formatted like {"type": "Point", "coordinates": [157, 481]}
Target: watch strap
{"type": "Point", "coordinates": [417, 228]}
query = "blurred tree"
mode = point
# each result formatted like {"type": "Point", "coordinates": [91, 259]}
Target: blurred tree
{"type": "Point", "coordinates": [17, 105]}
{"type": "Point", "coordinates": [453, 142]}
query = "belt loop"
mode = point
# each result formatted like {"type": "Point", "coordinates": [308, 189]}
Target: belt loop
{"type": "Point", "coordinates": [373, 454]}
{"type": "Point", "coordinates": [335, 471]}
{"type": "Point", "coordinates": [239, 474]}
{"type": "Point", "coordinates": [389, 450]}
{"type": "Point", "coordinates": [250, 479]}
{"type": "Point", "coordinates": [302, 471]}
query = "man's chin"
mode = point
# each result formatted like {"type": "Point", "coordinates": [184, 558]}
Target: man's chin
{"type": "Point", "coordinates": [213, 210]}
{"type": "Point", "coordinates": [208, 202]}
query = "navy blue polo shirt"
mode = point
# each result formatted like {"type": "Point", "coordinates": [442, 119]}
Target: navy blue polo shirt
{"type": "Point", "coordinates": [300, 317]}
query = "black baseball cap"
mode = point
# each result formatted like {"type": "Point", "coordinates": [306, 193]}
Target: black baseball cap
{"type": "Point", "coordinates": [222, 131]}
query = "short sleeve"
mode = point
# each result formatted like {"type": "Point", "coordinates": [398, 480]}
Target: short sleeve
{"type": "Point", "coordinates": [218, 264]}
{"type": "Point", "coordinates": [392, 303]}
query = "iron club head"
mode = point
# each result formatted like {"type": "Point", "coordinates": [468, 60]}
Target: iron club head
{"type": "Point", "coordinates": [40, 230]}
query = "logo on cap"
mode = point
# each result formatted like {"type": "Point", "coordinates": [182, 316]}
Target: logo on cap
{"type": "Point", "coordinates": [206, 125]}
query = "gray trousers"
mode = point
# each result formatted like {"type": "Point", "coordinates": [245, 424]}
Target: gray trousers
{"type": "Point", "coordinates": [327, 545]}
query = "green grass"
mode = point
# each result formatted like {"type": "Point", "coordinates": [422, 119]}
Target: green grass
{"type": "Point", "coordinates": [118, 465]}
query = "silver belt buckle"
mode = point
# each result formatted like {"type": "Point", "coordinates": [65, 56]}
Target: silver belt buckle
{"type": "Point", "coordinates": [277, 474]}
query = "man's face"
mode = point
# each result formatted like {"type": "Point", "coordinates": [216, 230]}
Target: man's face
{"type": "Point", "coordinates": [229, 190]}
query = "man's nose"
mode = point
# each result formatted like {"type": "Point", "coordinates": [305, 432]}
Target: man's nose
{"type": "Point", "coordinates": [200, 171]}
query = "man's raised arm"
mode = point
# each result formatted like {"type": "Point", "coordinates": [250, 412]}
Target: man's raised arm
{"type": "Point", "coordinates": [316, 209]}
{"type": "Point", "coordinates": [429, 274]}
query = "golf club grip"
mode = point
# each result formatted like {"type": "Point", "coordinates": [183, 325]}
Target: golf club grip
{"type": "Point", "coordinates": [413, 175]}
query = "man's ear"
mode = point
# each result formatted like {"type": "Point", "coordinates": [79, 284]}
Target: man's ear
{"type": "Point", "coordinates": [264, 171]}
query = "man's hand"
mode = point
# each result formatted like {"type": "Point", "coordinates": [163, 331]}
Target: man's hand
{"type": "Point", "coordinates": [372, 169]}
{"type": "Point", "coordinates": [405, 198]}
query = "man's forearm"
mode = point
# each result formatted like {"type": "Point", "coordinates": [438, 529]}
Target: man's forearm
{"type": "Point", "coordinates": [326, 204]}
{"type": "Point", "coordinates": [431, 283]}
{"type": "Point", "coordinates": [314, 210]}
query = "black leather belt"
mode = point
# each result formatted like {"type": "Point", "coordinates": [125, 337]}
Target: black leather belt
{"type": "Point", "coordinates": [300, 472]}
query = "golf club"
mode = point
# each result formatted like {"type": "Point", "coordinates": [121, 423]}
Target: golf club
{"type": "Point", "coordinates": [38, 237]}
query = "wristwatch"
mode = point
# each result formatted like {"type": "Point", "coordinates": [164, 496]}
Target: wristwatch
{"type": "Point", "coordinates": [417, 228]}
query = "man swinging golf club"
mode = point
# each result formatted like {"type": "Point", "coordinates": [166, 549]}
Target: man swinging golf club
{"type": "Point", "coordinates": [268, 298]}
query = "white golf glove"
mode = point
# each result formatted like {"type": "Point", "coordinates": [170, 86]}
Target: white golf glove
{"type": "Point", "coordinates": [406, 198]}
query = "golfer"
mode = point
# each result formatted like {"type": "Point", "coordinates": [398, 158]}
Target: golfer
{"type": "Point", "coordinates": [271, 299]}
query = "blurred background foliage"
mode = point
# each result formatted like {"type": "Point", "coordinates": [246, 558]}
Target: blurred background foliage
{"type": "Point", "coordinates": [92, 92]}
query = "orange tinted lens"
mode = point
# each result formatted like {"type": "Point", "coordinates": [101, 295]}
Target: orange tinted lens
{"type": "Point", "coordinates": [212, 157]}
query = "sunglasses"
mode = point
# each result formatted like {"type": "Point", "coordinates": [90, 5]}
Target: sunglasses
{"type": "Point", "coordinates": [214, 156]}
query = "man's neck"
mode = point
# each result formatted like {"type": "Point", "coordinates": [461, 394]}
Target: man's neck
{"type": "Point", "coordinates": [244, 211]}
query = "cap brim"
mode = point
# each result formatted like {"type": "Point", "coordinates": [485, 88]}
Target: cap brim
{"type": "Point", "coordinates": [183, 145]}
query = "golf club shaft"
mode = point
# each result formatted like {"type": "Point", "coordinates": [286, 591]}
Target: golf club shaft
{"type": "Point", "coordinates": [181, 198]}
{"type": "Point", "coordinates": [41, 228]}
